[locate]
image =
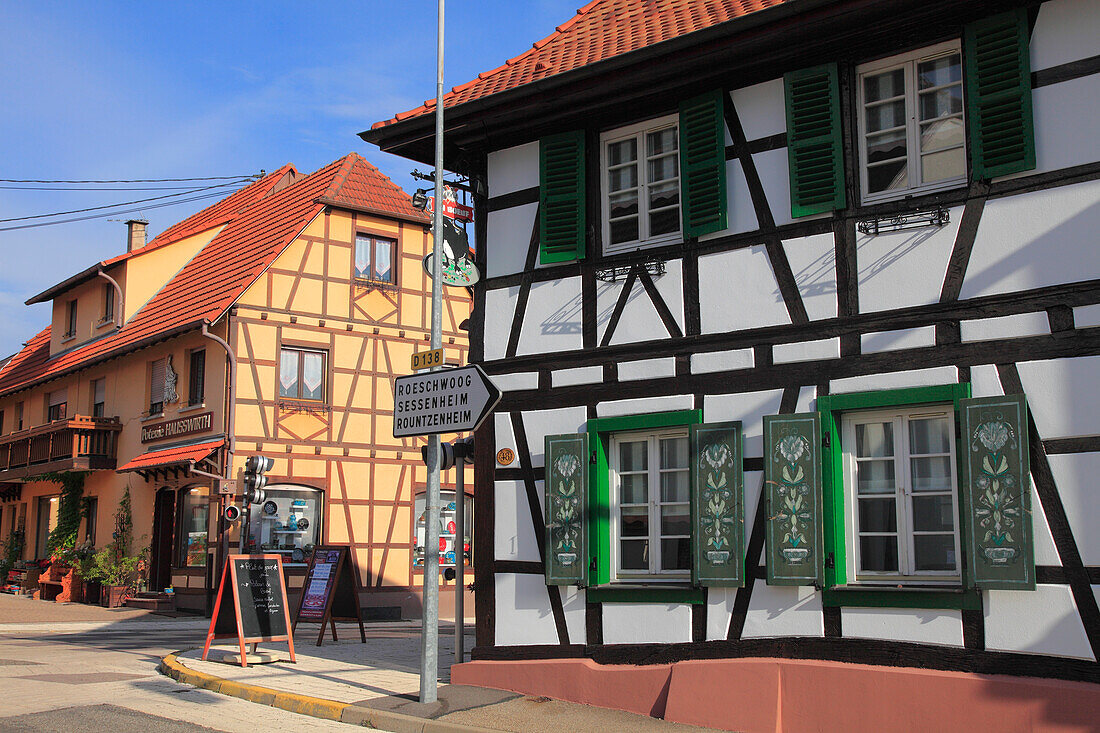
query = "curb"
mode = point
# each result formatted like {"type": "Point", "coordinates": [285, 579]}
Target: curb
{"type": "Point", "coordinates": [316, 707]}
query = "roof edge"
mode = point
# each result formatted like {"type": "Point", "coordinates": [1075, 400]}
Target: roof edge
{"type": "Point", "coordinates": [375, 212]}
{"type": "Point", "coordinates": [52, 292]}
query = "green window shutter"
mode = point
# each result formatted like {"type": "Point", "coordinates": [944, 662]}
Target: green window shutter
{"type": "Point", "coordinates": [792, 489]}
{"type": "Point", "coordinates": [566, 518]}
{"type": "Point", "coordinates": [703, 164]}
{"type": "Point", "coordinates": [814, 151]}
{"type": "Point", "coordinates": [561, 197]}
{"type": "Point", "coordinates": [717, 505]}
{"type": "Point", "coordinates": [996, 493]}
{"type": "Point", "coordinates": [998, 95]}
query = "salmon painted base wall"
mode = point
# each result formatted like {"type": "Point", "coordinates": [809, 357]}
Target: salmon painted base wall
{"type": "Point", "coordinates": [758, 695]}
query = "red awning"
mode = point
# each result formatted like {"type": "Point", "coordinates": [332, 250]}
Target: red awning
{"type": "Point", "coordinates": [185, 455]}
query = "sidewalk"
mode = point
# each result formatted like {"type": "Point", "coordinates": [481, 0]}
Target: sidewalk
{"type": "Point", "coordinates": [377, 685]}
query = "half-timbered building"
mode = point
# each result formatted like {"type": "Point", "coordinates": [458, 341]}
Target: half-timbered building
{"type": "Point", "coordinates": [270, 323]}
{"type": "Point", "coordinates": [795, 305]}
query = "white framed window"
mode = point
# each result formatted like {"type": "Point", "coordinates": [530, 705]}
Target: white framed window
{"type": "Point", "coordinates": [912, 132]}
{"type": "Point", "coordinates": [650, 505]}
{"type": "Point", "coordinates": [901, 496]}
{"type": "Point", "coordinates": [302, 374]}
{"type": "Point", "coordinates": [640, 174]}
{"type": "Point", "coordinates": [374, 258]}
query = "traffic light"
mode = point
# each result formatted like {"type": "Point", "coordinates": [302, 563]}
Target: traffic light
{"type": "Point", "coordinates": [254, 481]}
{"type": "Point", "coordinates": [232, 513]}
{"type": "Point", "coordinates": [446, 455]}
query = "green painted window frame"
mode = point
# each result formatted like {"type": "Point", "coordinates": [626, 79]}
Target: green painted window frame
{"type": "Point", "coordinates": [836, 592]}
{"type": "Point", "coordinates": [599, 510]}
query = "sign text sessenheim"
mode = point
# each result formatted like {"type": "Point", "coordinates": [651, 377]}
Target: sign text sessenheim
{"type": "Point", "coordinates": [448, 401]}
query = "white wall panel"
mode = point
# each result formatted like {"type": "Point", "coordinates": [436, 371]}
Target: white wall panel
{"type": "Point", "coordinates": [895, 380]}
{"type": "Point", "coordinates": [740, 214]}
{"type": "Point", "coordinates": [1065, 30]}
{"type": "Point", "coordinates": [1003, 327]}
{"type": "Point", "coordinates": [984, 381]}
{"type": "Point", "coordinates": [754, 484]}
{"type": "Point", "coordinates": [906, 338]}
{"type": "Point", "coordinates": [513, 534]}
{"type": "Point", "coordinates": [646, 623]}
{"type": "Point", "coordinates": [807, 397]}
{"type": "Point", "coordinates": [738, 290]}
{"type": "Point", "coordinates": [506, 438]}
{"type": "Point", "coordinates": [1086, 316]}
{"type": "Point", "coordinates": [899, 269]}
{"type": "Point", "coordinates": [771, 166]}
{"type": "Point", "coordinates": [500, 307]}
{"type": "Point", "coordinates": [646, 405]}
{"type": "Point", "coordinates": [513, 169]}
{"type": "Point", "coordinates": [579, 375]}
{"type": "Point", "coordinates": [1042, 621]}
{"type": "Point", "coordinates": [1062, 395]}
{"type": "Point", "coordinates": [1045, 551]}
{"type": "Point", "coordinates": [1060, 140]}
{"type": "Point", "coordinates": [519, 380]}
{"type": "Point", "coordinates": [749, 408]}
{"type": "Point", "coordinates": [761, 109]}
{"type": "Point", "coordinates": [540, 423]}
{"type": "Point", "coordinates": [903, 624]}
{"type": "Point", "coordinates": [719, 610]}
{"type": "Point", "coordinates": [722, 361]}
{"type": "Point", "coordinates": [647, 369]}
{"type": "Point", "coordinates": [1075, 476]}
{"type": "Point", "coordinates": [508, 232]}
{"type": "Point", "coordinates": [607, 295]}
{"type": "Point", "coordinates": [523, 611]}
{"type": "Point", "coordinates": [639, 320]}
{"type": "Point", "coordinates": [1034, 240]}
{"type": "Point", "coordinates": [813, 262]}
{"type": "Point", "coordinates": [783, 610]}
{"type": "Point", "coordinates": [806, 351]}
{"type": "Point", "coordinates": [552, 322]}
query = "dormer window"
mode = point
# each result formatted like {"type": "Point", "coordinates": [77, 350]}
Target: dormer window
{"type": "Point", "coordinates": [70, 320]}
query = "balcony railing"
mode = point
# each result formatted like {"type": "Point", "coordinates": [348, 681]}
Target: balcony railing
{"type": "Point", "coordinates": [79, 443]}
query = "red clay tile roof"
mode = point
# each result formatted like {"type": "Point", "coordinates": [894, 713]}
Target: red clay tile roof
{"type": "Point", "coordinates": [210, 283]}
{"type": "Point", "coordinates": [169, 456]}
{"type": "Point", "coordinates": [600, 30]}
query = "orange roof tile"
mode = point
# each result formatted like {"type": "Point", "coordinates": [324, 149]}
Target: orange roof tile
{"type": "Point", "coordinates": [209, 284]}
{"type": "Point", "coordinates": [169, 456]}
{"type": "Point", "coordinates": [600, 30]}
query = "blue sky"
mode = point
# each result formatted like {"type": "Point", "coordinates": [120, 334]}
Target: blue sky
{"type": "Point", "coordinates": [125, 90]}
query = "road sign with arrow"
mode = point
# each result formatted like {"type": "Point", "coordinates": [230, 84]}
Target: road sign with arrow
{"type": "Point", "coordinates": [447, 401]}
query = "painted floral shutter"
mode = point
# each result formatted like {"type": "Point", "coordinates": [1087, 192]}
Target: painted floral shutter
{"type": "Point", "coordinates": [814, 151]}
{"type": "Point", "coordinates": [998, 95]}
{"type": "Point", "coordinates": [566, 555]}
{"type": "Point", "coordinates": [792, 489]}
{"type": "Point", "coordinates": [561, 197]}
{"type": "Point", "coordinates": [717, 505]}
{"type": "Point", "coordinates": [996, 493]}
{"type": "Point", "coordinates": [703, 164]}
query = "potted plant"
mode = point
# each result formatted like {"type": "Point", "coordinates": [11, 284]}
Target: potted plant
{"type": "Point", "coordinates": [69, 565]}
{"type": "Point", "coordinates": [117, 574]}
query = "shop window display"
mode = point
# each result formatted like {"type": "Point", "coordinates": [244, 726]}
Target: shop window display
{"type": "Point", "coordinates": [448, 545]}
{"type": "Point", "coordinates": [288, 522]}
{"type": "Point", "coordinates": [194, 514]}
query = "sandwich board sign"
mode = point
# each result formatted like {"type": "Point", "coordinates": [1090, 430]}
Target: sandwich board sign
{"type": "Point", "coordinates": [330, 593]}
{"type": "Point", "coordinates": [251, 604]}
{"type": "Point", "coordinates": [447, 401]}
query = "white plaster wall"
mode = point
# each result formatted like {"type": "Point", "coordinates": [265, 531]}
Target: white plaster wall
{"type": "Point", "coordinates": [552, 322]}
{"type": "Point", "coordinates": [519, 380]}
{"type": "Point", "coordinates": [646, 405]}
{"type": "Point", "coordinates": [761, 108]}
{"type": "Point", "coordinates": [906, 338]}
{"type": "Point", "coordinates": [1086, 316]}
{"type": "Point", "coordinates": [639, 320]}
{"type": "Point", "coordinates": [984, 381]}
{"type": "Point", "coordinates": [749, 408]}
{"type": "Point", "coordinates": [1003, 327]}
{"type": "Point", "coordinates": [903, 624]}
{"type": "Point", "coordinates": [540, 423]}
{"type": "Point", "coordinates": [1061, 140]}
{"type": "Point", "coordinates": [813, 262]}
{"type": "Point", "coordinates": [783, 610]}
{"type": "Point", "coordinates": [722, 361]}
{"type": "Point", "coordinates": [500, 307]}
{"type": "Point", "coordinates": [1075, 476]}
{"type": "Point", "coordinates": [771, 166]}
{"type": "Point", "coordinates": [806, 351]}
{"type": "Point", "coordinates": [1042, 621]}
{"type": "Point", "coordinates": [895, 380]}
{"type": "Point", "coordinates": [514, 535]}
{"type": "Point", "coordinates": [738, 290]}
{"type": "Point", "coordinates": [523, 611]}
{"type": "Point", "coordinates": [1062, 395]}
{"type": "Point", "coordinates": [807, 397]}
{"type": "Point", "coordinates": [719, 609]}
{"type": "Point", "coordinates": [646, 623]}
{"type": "Point", "coordinates": [508, 233]}
{"type": "Point", "coordinates": [504, 435]}
{"type": "Point", "coordinates": [1034, 240]}
{"type": "Point", "coordinates": [513, 169]}
{"type": "Point", "coordinates": [1045, 551]}
{"type": "Point", "coordinates": [1065, 30]}
{"type": "Point", "coordinates": [906, 268]}
{"type": "Point", "coordinates": [740, 213]}
{"type": "Point", "coordinates": [754, 483]}
{"type": "Point", "coordinates": [647, 369]}
{"type": "Point", "coordinates": [579, 375]}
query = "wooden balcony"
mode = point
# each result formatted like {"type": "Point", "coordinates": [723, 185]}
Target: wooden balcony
{"type": "Point", "coordinates": [78, 443]}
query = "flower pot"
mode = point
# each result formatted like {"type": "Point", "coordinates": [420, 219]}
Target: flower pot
{"type": "Point", "coordinates": [113, 596]}
{"type": "Point", "coordinates": [92, 592]}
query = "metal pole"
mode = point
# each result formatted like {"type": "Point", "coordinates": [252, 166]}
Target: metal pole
{"type": "Point", "coordinates": [460, 546]}
{"type": "Point", "coordinates": [429, 638]}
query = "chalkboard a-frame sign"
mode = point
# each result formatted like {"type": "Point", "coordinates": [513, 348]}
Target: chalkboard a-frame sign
{"type": "Point", "coordinates": [251, 604]}
{"type": "Point", "coordinates": [330, 593]}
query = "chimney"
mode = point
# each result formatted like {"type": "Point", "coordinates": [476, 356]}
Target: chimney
{"type": "Point", "coordinates": [135, 234]}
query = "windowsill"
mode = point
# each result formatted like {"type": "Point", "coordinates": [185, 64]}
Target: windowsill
{"type": "Point", "coordinates": [106, 322]}
{"type": "Point", "coordinates": [157, 416]}
{"type": "Point", "coordinates": [871, 596]}
{"type": "Point", "coordinates": [636, 247]}
{"type": "Point", "coordinates": [902, 196]}
{"type": "Point", "coordinates": [190, 408]}
{"type": "Point", "coordinates": [66, 338]}
{"type": "Point", "coordinates": [375, 284]}
{"type": "Point", "coordinates": [645, 593]}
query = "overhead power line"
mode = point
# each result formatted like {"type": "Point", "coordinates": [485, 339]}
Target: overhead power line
{"type": "Point", "coordinates": [162, 204]}
{"type": "Point", "coordinates": [101, 188]}
{"type": "Point", "coordinates": [132, 180]}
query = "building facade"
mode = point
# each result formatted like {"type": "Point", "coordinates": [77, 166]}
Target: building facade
{"type": "Point", "coordinates": [795, 305]}
{"type": "Point", "coordinates": [270, 323]}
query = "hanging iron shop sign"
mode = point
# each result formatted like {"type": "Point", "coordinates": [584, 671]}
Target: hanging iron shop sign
{"type": "Point", "coordinates": [447, 401]}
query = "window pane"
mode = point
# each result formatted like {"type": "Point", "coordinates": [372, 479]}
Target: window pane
{"type": "Point", "coordinates": [938, 72]}
{"type": "Point", "coordinates": [634, 489]}
{"type": "Point", "coordinates": [885, 116]}
{"type": "Point", "coordinates": [675, 520]}
{"type": "Point", "coordinates": [875, 477]}
{"type": "Point", "coordinates": [635, 521]}
{"type": "Point", "coordinates": [619, 179]}
{"type": "Point", "coordinates": [887, 176]}
{"type": "Point", "coordinates": [934, 552]}
{"type": "Point", "coordinates": [621, 152]}
{"type": "Point", "coordinates": [930, 435]}
{"type": "Point", "coordinates": [382, 260]}
{"type": "Point", "coordinates": [933, 514]}
{"type": "Point", "coordinates": [664, 222]}
{"type": "Point", "coordinates": [884, 86]}
{"type": "Point", "coordinates": [194, 527]}
{"type": "Point", "coordinates": [623, 204]}
{"type": "Point", "coordinates": [674, 486]}
{"type": "Point", "coordinates": [662, 141]}
{"type": "Point", "coordinates": [931, 473]}
{"type": "Point", "coordinates": [362, 257]}
{"type": "Point", "coordinates": [663, 168]}
{"type": "Point", "coordinates": [940, 134]}
{"type": "Point", "coordinates": [878, 554]}
{"type": "Point", "coordinates": [634, 554]}
{"type": "Point", "coordinates": [674, 453]}
{"type": "Point", "coordinates": [874, 440]}
{"type": "Point", "coordinates": [941, 103]}
{"type": "Point", "coordinates": [676, 554]}
{"type": "Point", "coordinates": [886, 146]}
{"type": "Point", "coordinates": [878, 515]}
{"type": "Point", "coordinates": [943, 166]}
{"type": "Point", "coordinates": [624, 230]}
{"type": "Point", "coordinates": [634, 456]}
{"type": "Point", "coordinates": [288, 373]}
{"type": "Point", "coordinates": [313, 374]}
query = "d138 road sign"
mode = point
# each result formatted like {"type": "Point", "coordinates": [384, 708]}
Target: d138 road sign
{"type": "Point", "coordinates": [447, 401]}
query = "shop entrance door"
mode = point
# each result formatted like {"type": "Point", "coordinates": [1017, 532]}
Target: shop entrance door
{"type": "Point", "coordinates": [160, 560]}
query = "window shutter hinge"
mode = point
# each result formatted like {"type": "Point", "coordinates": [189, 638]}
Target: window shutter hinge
{"type": "Point", "coordinates": [830, 562]}
{"type": "Point", "coordinates": [592, 564]}
{"type": "Point", "coordinates": [592, 458]}
{"type": "Point", "coordinates": [825, 442]}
